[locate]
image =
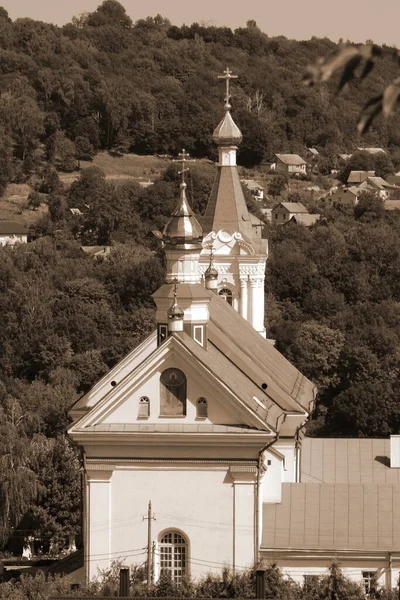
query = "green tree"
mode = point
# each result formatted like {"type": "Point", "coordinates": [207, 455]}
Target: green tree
{"type": "Point", "coordinates": [58, 509]}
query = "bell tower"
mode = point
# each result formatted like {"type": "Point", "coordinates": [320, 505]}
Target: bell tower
{"type": "Point", "coordinates": [182, 302]}
{"type": "Point", "coordinates": [230, 232]}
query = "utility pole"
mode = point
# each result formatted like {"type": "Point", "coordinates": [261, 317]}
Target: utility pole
{"type": "Point", "coordinates": [149, 519]}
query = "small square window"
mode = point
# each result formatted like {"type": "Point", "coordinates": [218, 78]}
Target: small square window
{"type": "Point", "coordinates": [198, 334]}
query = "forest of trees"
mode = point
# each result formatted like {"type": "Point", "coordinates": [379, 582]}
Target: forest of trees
{"type": "Point", "coordinates": [103, 82]}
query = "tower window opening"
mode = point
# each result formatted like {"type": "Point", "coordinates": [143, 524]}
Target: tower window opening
{"type": "Point", "coordinates": [226, 295]}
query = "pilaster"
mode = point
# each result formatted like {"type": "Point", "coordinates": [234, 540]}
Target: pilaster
{"type": "Point", "coordinates": [99, 515]}
{"type": "Point", "coordinates": [244, 517]}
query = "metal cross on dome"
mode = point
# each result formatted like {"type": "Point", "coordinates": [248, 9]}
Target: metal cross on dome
{"type": "Point", "coordinates": [227, 76]}
{"type": "Point", "coordinates": [182, 158]}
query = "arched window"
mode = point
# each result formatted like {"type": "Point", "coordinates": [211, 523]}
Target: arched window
{"type": "Point", "coordinates": [173, 555]}
{"type": "Point", "coordinates": [201, 408]}
{"type": "Point", "coordinates": [144, 407]}
{"type": "Point", "coordinates": [172, 393]}
{"type": "Point", "coordinates": [226, 295]}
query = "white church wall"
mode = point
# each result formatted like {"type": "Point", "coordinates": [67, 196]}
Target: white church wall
{"type": "Point", "coordinates": [288, 449]}
{"type": "Point", "coordinates": [215, 515]}
{"type": "Point", "coordinates": [271, 485]}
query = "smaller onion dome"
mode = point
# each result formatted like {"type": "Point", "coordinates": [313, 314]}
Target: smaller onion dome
{"type": "Point", "coordinates": [211, 276]}
{"type": "Point", "coordinates": [227, 133]}
{"type": "Point", "coordinates": [182, 228]}
{"type": "Point", "coordinates": [175, 316]}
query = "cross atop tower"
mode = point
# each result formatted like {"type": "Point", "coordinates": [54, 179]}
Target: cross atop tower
{"type": "Point", "coordinates": [182, 159]}
{"type": "Point", "coordinates": [227, 76]}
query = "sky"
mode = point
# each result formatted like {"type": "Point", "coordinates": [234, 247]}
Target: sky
{"type": "Point", "coordinates": [354, 20]}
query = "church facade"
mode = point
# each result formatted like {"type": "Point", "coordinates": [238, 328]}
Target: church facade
{"type": "Point", "coordinates": [204, 419]}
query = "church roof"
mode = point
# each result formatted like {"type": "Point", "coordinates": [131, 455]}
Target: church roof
{"type": "Point", "coordinates": [333, 517]}
{"type": "Point", "coordinates": [340, 460]}
{"type": "Point", "coordinates": [279, 374]}
{"type": "Point", "coordinates": [226, 207]}
{"type": "Point", "coordinates": [348, 499]}
{"type": "Point", "coordinates": [238, 357]}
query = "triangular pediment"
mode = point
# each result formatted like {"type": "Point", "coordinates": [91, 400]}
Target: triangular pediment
{"type": "Point", "coordinates": [119, 407]}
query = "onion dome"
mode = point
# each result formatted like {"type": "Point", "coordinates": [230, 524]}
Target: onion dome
{"type": "Point", "coordinates": [175, 315]}
{"type": "Point", "coordinates": [183, 229]}
{"type": "Point", "coordinates": [227, 133]}
{"type": "Point", "coordinates": [211, 275]}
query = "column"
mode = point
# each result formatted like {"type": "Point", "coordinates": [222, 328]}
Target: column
{"type": "Point", "coordinates": [97, 554]}
{"type": "Point", "coordinates": [257, 304]}
{"type": "Point", "coordinates": [244, 296]}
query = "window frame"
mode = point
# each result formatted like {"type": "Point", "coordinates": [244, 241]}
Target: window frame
{"type": "Point", "coordinates": [178, 572]}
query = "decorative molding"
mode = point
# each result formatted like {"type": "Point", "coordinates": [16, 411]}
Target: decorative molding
{"type": "Point", "coordinates": [243, 474]}
{"type": "Point", "coordinates": [105, 462]}
{"type": "Point", "coordinates": [100, 466]}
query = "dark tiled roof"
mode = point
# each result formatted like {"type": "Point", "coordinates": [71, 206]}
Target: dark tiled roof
{"type": "Point", "coordinates": [293, 207]}
{"type": "Point", "coordinates": [291, 159]}
{"type": "Point", "coordinates": [341, 460]}
{"type": "Point", "coordinates": [359, 176]}
{"type": "Point", "coordinates": [334, 517]}
{"type": "Point", "coordinates": [306, 220]}
{"type": "Point", "coordinates": [12, 228]}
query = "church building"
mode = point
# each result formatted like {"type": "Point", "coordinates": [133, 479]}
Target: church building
{"type": "Point", "coordinates": [192, 443]}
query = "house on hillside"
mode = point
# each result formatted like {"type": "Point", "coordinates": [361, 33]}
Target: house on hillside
{"type": "Point", "coordinates": [97, 252]}
{"type": "Point", "coordinates": [393, 179]}
{"type": "Point", "coordinates": [346, 196]}
{"type": "Point", "coordinates": [284, 211]}
{"type": "Point", "coordinates": [378, 186]}
{"type": "Point", "coordinates": [313, 151]}
{"type": "Point", "coordinates": [12, 233]}
{"type": "Point", "coordinates": [304, 219]}
{"type": "Point", "coordinates": [291, 164]}
{"type": "Point", "coordinates": [344, 157]}
{"type": "Point", "coordinates": [391, 205]}
{"type": "Point", "coordinates": [372, 150]}
{"type": "Point", "coordinates": [256, 189]}
{"type": "Point", "coordinates": [356, 177]}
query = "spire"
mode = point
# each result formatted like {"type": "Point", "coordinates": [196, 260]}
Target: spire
{"type": "Point", "coordinates": [175, 313]}
{"type": "Point", "coordinates": [226, 208]}
{"type": "Point", "coordinates": [183, 229]}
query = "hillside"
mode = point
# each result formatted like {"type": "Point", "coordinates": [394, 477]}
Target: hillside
{"type": "Point", "coordinates": [102, 82]}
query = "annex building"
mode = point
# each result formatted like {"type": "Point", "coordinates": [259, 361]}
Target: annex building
{"type": "Point", "coordinates": [205, 418]}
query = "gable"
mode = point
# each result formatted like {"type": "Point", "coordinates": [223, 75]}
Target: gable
{"type": "Point", "coordinates": [114, 376]}
{"type": "Point", "coordinates": [120, 405]}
